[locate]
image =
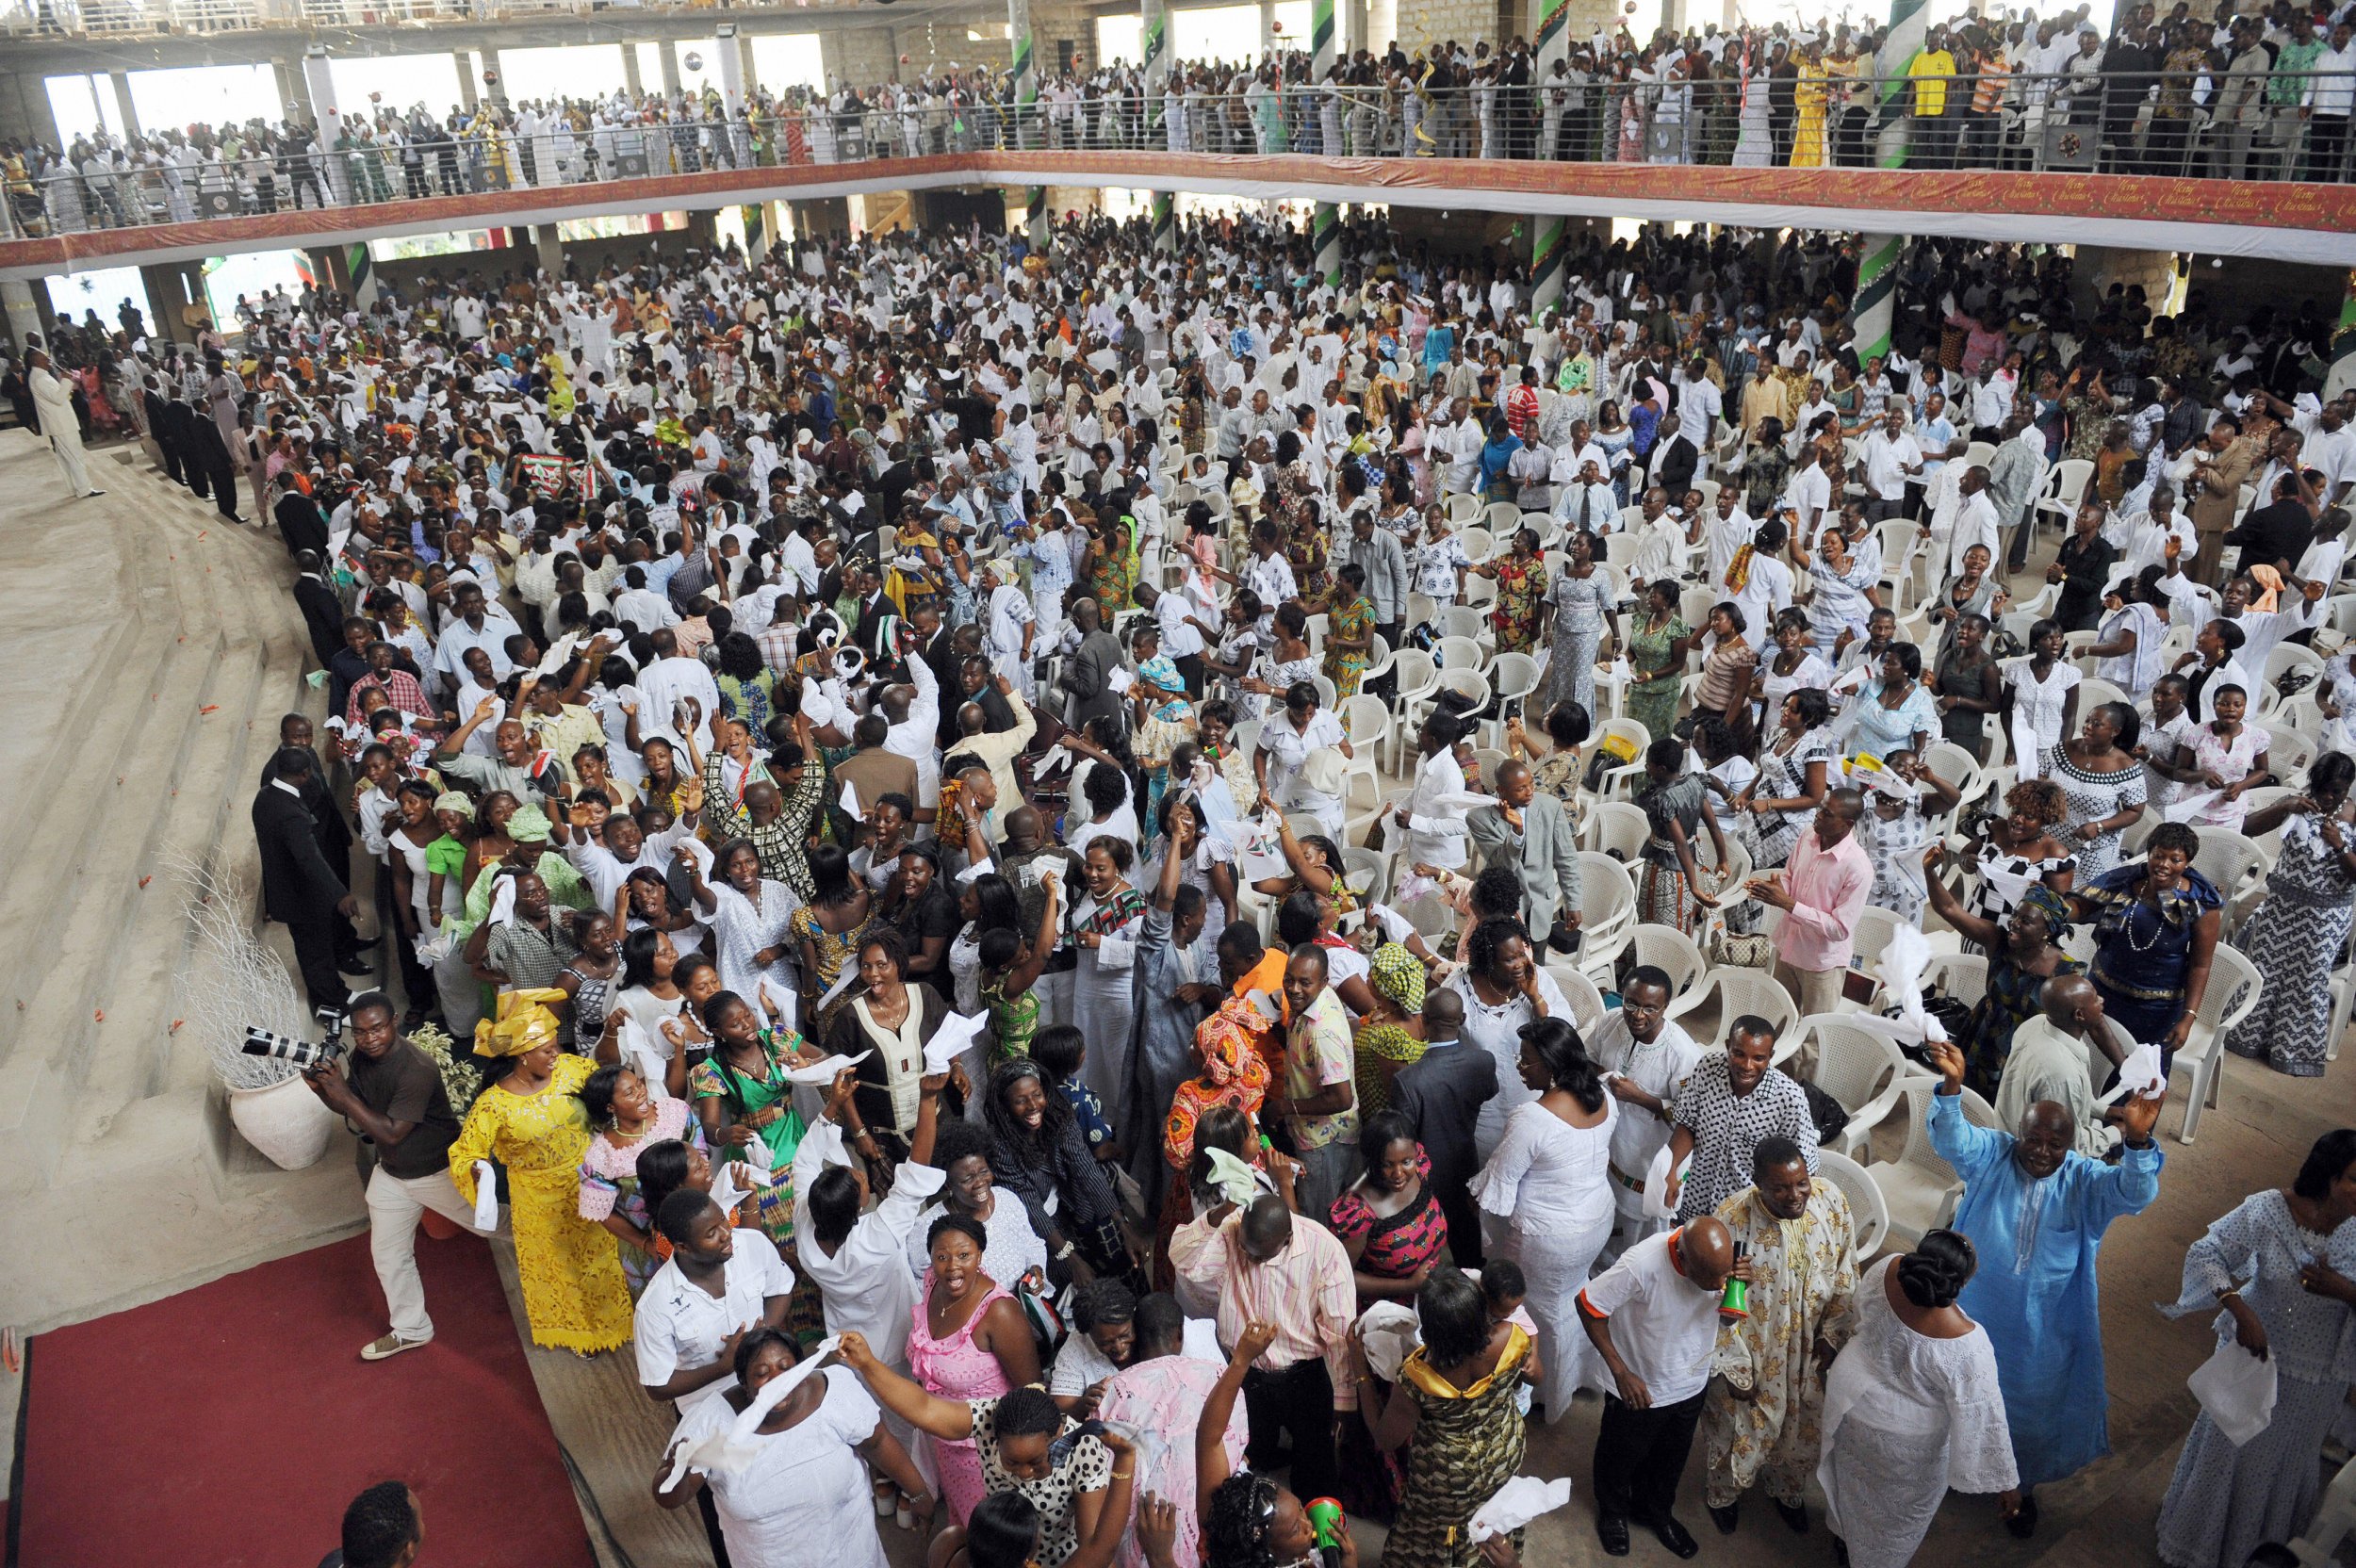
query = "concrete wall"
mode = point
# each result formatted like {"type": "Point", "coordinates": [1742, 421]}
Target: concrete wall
{"type": "Point", "coordinates": [1421, 23]}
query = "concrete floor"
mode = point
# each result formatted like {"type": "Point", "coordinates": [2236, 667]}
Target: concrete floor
{"type": "Point", "coordinates": [93, 1247]}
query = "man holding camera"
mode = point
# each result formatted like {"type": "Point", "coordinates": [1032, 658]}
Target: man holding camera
{"type": "Point", "coordinates": [393, 1096]}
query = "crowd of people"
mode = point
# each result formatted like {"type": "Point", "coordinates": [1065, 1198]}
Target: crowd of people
{"type": "Point", "coordinates": [2230, 93]}
{"type": "Point", "coordinates": [861, 760]}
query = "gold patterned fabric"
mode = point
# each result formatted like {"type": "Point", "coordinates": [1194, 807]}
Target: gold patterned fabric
{"type": "Point", "coordinates": [571, 1268]}
{"type": "Point", "coordinates": [1804, 1279]}
{"type": "Point", "coordinates": [1468, 1442]}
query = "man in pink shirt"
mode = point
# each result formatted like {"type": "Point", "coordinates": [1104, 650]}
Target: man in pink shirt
{"type": "Point", "coordinates": [1823, 887]}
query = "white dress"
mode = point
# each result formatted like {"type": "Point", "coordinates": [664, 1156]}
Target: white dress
{"type": "Point", "coordinates": [1552, 1183]}
{"type": "Point", "coordinates": [1908, 1419]}
{"type": "Point", "coordinates": [1498, 1031]}
{"type": "Point", "coordinates": [2038, 707]}
{"type": "Point", "coordinates": [804, 1494]}
{"type": "Point", "coordinates": [740, 928]}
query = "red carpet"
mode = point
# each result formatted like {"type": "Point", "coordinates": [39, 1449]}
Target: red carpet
{"type": "Point", "coordinates": [230, 1425]}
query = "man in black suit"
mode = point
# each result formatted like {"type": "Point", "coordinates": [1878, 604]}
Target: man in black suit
{"type": "Point", "coordinates": [161, 427]}
{"type": "Point", "coordinates": [323, 607]}
{"type": "Point", "coordinates": [1441, 1094]}
{"type": "Point", "coordinates": [301, 524]}
{"type": "Point", "coordinates": [1085, 675]}
{"type": "Point", "coordinates": [300, 890]}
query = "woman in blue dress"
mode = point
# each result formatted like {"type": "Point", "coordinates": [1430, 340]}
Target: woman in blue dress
{"type": "Point", "coordinates": [1581, 598]}
{"type": "Point", "coordinates": [2156, 932]}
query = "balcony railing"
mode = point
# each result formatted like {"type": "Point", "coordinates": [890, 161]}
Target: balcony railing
{"type": "Point", "coordinates": [2077, 125]}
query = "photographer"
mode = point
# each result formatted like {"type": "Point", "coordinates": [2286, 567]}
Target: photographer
{"type": "Point", "coordinates": [393, 1096]}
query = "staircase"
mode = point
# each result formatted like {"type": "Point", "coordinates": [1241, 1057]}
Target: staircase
{"type": "Point", "coordinates": [158, 645]}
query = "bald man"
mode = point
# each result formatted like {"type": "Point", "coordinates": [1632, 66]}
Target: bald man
{"type": "Point", "coordinates": [2050, 1061]}
{"type": "Point", "coordinates": [1653, 1320]}
{"type": "Point", "coordinates": [2036, 1210]}
{"type": "Point", "coordinates": [1530, 833]}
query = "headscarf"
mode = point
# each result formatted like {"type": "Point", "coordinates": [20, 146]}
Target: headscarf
{"type": "Point", "coordinates": [524, 1024]}
{"type": "Point", "coordinates": [2048, 903]}
{"type": "Point", "coordinates": [1233, 1073]}
{"type": "Point", "coordinates": [1399, 975]}
{"type": "Point", "coordinates": [1161, 674]}
{"type": "Point", "coordinates": [451, 800]}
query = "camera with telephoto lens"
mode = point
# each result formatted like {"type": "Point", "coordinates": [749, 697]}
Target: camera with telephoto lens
{"type": "Point", "coordinates": [306, 1055]}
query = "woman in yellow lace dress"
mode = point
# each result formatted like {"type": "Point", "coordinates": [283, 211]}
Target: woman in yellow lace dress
{"type": "Point", "coordinates": [532, 1121]}
{"type": "Point", "coordinates": [1809, 94]}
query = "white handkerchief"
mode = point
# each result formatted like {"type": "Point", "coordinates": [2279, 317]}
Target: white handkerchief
{"type": "Point", "coordinates": [949, 1041]}
{"type": "Point", "coordinates": [2139, 1074]}
{"type": "Point", "coordinates": [733, 1448]}
{"type": "Point", "coordinates": [2237, 1390]}
{"type": "Point", "coordinates": [768, 992]}
{"type": "Point", "coordinates": [1516, 1503]}
{"type": "Point", "coordinates": [1390, 1331]}
{"type": "Point", "coordinates": [1462, 800]}
{"type": "Point", "coordinates": [825, 1143]}
{"type": "Point", "coordinates": [1055, 761]}
{"type": "Point", "coordinates": [1236, 1182]}
{"type": "Point", "coordinates": [849, 799]}
{"type": "Point", "coordinates": [1118, 680]}
{"type": "Point", "coordinates": [486, 1196]}
{"type": "Point", "coordinates": [1201, 1340]}
{"type": "Point", "coordinates": [2191, 806]}
{"type": "Point", "coordinates": [503, 902]}
{"type": "Point", "coordinates": [820, 1073]}
{"type": "Point", "coordinates": [976, 872]}
{"type": "Point", "coordinates": [843, 982]}
{"type": "Point", "coordinates": [1656, 1184]}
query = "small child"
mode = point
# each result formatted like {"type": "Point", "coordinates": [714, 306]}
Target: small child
{"type": "Point", "coordinates": [1503, 1291]}
{"type": "Point", "coordinates": [1011, 964]}
{"type": "Point", "coordinates": [1060, 1053]}
{"type": "Point", "coordinates": [1896, 828]}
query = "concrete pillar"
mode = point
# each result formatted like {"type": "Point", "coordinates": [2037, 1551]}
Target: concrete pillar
{"type": "Point", "coordinates": [631, 77]}
{"type": "Point", "coordinates": [1154, 43]}
{"type": "Point", "coordinates": [1037, 221]}
{"type": "Point", "coordinates": [1165, 222]}
{"type": "Point", "coordinates": [1267, 29]}
{"type": "Point", "coordinates": [469, 96]}
{"type": "Point", "coordinates": [1028, 131]}
{"type": "Point", "coordinates": [1354, 21]}
{"type": "Point", "coordinates": [25, 314]}
{"type": "Point", "coordinates": [26, 114]}
{"type": "Point", "coordinates": [295, 89]}
{"type": "Point", "coordinates": [122, 80]}
{"type": "Point", "coordinates": [329, 114]}
{"type": "Point", "coordinates": [1875, 306]}
{"type": "Point", "coordinates": [733, 96]}
{"type": "Point", "coordinates": [1549, 24]}
{"type": "Point", "coordinates": [1325, 223]}
{"type": "Point", "coordinates": [2343, 372]}
{"type": "Point", "coordinates": [666, 55]}
{"type": "Point", "coordinates": [551, 250]}
{"type": "Point", "coordinates": [167, 292]}
{"type": "Point", "coordinates": [1907, 27]}
{"type": "Point", "coordinates": [744, 51]}
{"type": "Point", "coordinates": [494, 79]}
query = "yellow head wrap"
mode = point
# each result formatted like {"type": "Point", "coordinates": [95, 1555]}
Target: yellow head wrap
{"type": "Point", "coordinates": [524, 1024]}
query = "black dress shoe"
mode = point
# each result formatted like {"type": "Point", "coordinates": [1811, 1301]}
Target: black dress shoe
{"type": "Point", "coordinates": [354, 965]}
{"type": "Point", "coordinates": [1724, 1517]}
{"type": "Point", "coordinates": [1675, 1537]}
{"type": "Point", "coordinates": [2023, 1524]}
{"type": "Point", "coordinates": [1611, 1529]}
{"type": "Point", "coordinates": [1793, 1515]}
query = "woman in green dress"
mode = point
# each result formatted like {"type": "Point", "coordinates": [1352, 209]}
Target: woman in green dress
{"type": "Point", "coordinates": [1456, 1398]}
{"type": "Point", "coordinates": [1657, 646]}
{"type": "Point", "coordinates": [1009, 977]}
{"type": "Point", "coordinates": [744, 1100]}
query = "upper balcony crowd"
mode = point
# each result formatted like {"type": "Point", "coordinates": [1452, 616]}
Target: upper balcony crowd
{"type": "Point", "coordinates": [2258, 96]}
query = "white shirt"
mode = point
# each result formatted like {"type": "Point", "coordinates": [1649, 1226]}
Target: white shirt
{"type": "Point", "coordinates": [1436, 833]}
{"type": "Point", "coordinates": [1660, 1069]}
{"type": "Point", "coordinates": [1887, 460]}
{"type": "Point", "coordinates": [866, 1285]}
{"type": "Point", "coordinates": [682, 1326]}
{"type": "Point", "coordinates": [1664, 1327]}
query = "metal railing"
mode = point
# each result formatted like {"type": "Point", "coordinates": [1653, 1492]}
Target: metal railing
{"type": "Point", "coordinates": [2041, 124]}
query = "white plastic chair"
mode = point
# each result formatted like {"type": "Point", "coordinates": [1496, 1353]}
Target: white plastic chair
{"type": "Point", "coordinates": [1860, 1068]}
{"type": "Point", "coordinates": [2235, 984]}
{"type": "Point", "coordinates": [1479, 543]}
{"type": "Point", "coordinates": [1460, 653]}
{"type": "Point", "coordinates": [2335, 1516]}
{"type": "Point", "coordinates": [1516, 677]}
{"type": "Point", "coordinates": [1672, 951]}
{"type": "Point", "coordinates": [1961, 975]}
{"type": "Point", "coordinates": [1586, 1000]}
{"type": "Point", "coordinates": [1619, 778]}
{"type": "Point", "coordinates": [1503, 518]}
{"type": "Point", "coordinates": [1917, 1188]}
{"type": "Point", "coordinates": [1868, 1216]}
{"type": "Point", "coordinates": [1737, 992]}
{"type": "Point", "coordinates": [1463, 622]}
{"type": "Point", "coordinates": [1616, 829]}
{"type": "Point", "coordinates": [1462, 510]}
{"type": "Point", "coordinates": [1608, 907]}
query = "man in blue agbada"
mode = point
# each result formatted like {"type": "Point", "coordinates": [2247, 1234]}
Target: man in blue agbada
{"type": "Point", "coordinates": [2035, 1210]}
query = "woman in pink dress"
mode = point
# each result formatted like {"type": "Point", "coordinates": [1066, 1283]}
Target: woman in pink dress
{"type": "Point", "coordinates": [969, 1341]}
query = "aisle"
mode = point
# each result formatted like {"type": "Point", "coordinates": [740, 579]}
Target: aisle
{"type": "Point", "coordinates": [229, 1425]}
